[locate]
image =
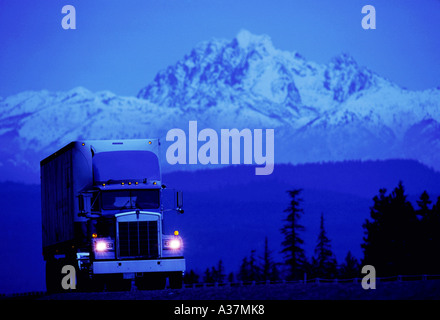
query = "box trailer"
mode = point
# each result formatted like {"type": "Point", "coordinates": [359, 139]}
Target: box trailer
{"type": "Point", "coordinates": [102, 213]}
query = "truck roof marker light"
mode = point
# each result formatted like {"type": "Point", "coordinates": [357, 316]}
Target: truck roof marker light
{"type": "Point", "coordinates": [129, 183]}
{"type": "Point", "coordinates": [122, 183]}
{"type": "Point", "coordinates": [154, 182]}
{"type": "Point", "coordinates": [136, 183]}
{"type": "Point", "coordinates": [149, 142]}
{"type": "Point", "coordinates": [83, 144]}
{"type": "Point", "coordinates": [176, 232]}
{"type": "Point", "coordinates": [103, 184]}
{"type": "Point", "coordinates": [94, 235]}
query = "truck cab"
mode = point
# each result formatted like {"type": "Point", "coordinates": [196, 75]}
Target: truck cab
{"type": "Point", "coordinates": [103, 212]}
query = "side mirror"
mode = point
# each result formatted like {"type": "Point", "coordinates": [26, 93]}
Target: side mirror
{"type": "Point", "coordinates": [179, 201]}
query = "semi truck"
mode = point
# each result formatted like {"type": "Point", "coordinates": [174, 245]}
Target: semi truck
{"type": "Point", "coordinates": [103, 213]}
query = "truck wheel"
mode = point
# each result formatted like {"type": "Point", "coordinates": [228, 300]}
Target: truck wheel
{"type": "Point", "coordinates": [151, 281]}
{"type": "Point", "coordinates": [175, 280]}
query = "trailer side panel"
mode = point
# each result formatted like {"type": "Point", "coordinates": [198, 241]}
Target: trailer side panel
{"type": "Point", "coordinates": [57, 199]}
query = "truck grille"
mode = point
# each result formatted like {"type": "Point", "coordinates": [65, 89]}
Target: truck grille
{"type": "Point", "coordinates": [138, 239]}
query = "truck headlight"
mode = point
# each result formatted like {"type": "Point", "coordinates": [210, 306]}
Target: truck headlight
{"type": "Point", "coordinates": [104, 248]}
{"type": "Point", "coordinates": [173, 243]}
{"type": "Point", "coordinates": [102, 245]}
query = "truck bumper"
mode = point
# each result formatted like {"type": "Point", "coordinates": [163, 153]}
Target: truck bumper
{"type": "Point", "coordinates": [130, 266]}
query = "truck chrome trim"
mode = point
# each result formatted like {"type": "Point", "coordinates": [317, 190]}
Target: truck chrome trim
{"type": "Point", "coordinates": [157, 265]}
{"type": "Point", "coordinates": [140, 242]}
{"type": "Point", "coordinates": [144, 214]}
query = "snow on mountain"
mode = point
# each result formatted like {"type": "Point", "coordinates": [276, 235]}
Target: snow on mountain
{"type": "Point", "coordinates": [320, 112]}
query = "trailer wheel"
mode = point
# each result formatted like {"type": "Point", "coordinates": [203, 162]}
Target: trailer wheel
{"type": "Point", "coordinates": [175, 280]}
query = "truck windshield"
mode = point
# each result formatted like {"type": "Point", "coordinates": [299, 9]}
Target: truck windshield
{"type": "Point", "coordinates": [131, 199]}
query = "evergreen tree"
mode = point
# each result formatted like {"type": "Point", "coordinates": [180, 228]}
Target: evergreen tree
{"type": "Point", "coordinates": [268, 269]}
{"type": "Point", "coordinates": [208, 277]}
{"type": "Point", "coordinates": [373, 234]}
{"type": "Point", "coordinates": [249, 269]}
{"type": "Point", "coordinates": [254, 270]}
{"type": "Point", "coordinates": [423, 204]}
{"type": "Point", "coordinates": [215, 274]}
{"type": "Point", "coordinates": [191, 277]}
{"type": "Point", "coordinates": [324, 262]}
{"type": "Point", "coordinates": [274, 273]}
{"type": "Point", "coordinates": [429, 234]}
{"type": "Point", "coordinates": [350, 268]}
{"type": "Point", "coordinates": [220, 272]}
{"type": "Point", "coordinates": [391, 244]}
{"type": "Point", "coordinates": [424, 232]}
{"type": "Point", "coordinates": [434, 225]}
{"type": "Point", "coordinates": [295, 260]}
{"type": "Point", "coordinates": [243, 273]}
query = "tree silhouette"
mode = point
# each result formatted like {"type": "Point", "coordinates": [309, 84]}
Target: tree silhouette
{"type": "Point", "coordinates": [243, 273]}
{"type": "Point", "coordinates": [423, 229]}
{"type": "Point", "coordinates": [295, 260]}
{"type": "Point", "coordinates": [434, 226]}
{"type": "Point", "coordinates": [428, 234]}
{"type": "Point", "coordinates": [391, 242]}
{"type": "Point", "coordinates": [231, 277]}
{"type": "Point", "coordinates": [208, 277]}
{"type": "Point", "coordinates": [350, 268]}
{"type": "Point", "coordinates": [268, 269]}
{"type": "Point", "coordinates": [191, 277]}
{"type": "Point", "coordinates": [262, 268]}
{"type": "Point", "coordinates": [249, 269]}
{"type": "Point", "coordinates": [215, 274]}
{"type": "Point", "coordinates": [324, 263]}
{"type": "Point", "coordinates": [219, 273]}
{"type": "Point", "coordinates": [254, 270]}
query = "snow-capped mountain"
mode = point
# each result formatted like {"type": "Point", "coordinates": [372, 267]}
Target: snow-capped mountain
{"type": "Point", "coordinates": [320, 112]}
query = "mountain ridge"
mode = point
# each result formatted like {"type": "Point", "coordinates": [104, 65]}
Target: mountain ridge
{"type": "Point", "coordinates": [320, 112]}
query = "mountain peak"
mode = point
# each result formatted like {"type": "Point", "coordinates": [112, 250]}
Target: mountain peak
{"type": "Point", "coordinates": [344, 59]}
{"type": "Point", "coordinates": [246, 39]}
{"type": "Point", "coordinates": [79, 90]}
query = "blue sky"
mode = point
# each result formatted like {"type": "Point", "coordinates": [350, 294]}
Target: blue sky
{"type": "Point", "coordinates": [121, 45]}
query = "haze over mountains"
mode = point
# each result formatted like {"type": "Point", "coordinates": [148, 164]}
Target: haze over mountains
{"type": "Point", "coordinates": [320, 112]}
